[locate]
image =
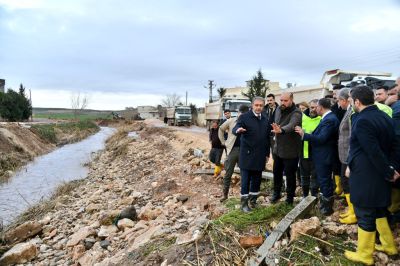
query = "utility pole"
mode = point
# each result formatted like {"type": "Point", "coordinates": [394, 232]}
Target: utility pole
{"type": "Point", "coordinates": [211, 85]}
{"type": "Point", "coordinates": [186, 98]}
{"type": "Point", "coordinates": [30, 101]}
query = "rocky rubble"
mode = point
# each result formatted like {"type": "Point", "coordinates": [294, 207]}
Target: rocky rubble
{"type": "Point", "coordinates": [137, 190]}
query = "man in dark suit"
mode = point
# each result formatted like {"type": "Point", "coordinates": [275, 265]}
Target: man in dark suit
{"type": "Point", "coordinates": [371, 175]}
{"type": "Point", "coordinates": [254, 149]}
{"type": "Point", "coordinates": [323, 151]}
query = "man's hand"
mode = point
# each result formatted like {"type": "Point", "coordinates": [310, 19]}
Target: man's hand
{"type": "Point", "coordinates": [240, 130]}
{"type": "Point", "coordinates": [396, 176]}
{"type": "Point", "coordinates": [299, 131]}
{"type": "Point", "coordinates": [347, 172]}
{"type": "Point", "coordinates": [276, 128]}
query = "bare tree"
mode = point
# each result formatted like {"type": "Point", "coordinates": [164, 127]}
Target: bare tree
{"type": "Point", "coordinates": [171, 100]}
{"type": "Point", "coordinates": [79, 103]}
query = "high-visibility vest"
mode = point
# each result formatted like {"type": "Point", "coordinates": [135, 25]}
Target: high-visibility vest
{"type": "Point", "coordinates": [385, 108]}
{"type": "Point", "coordinates": [309, 125]}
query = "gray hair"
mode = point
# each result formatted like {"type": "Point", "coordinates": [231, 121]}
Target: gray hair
{"type": "Point", "coordinates": [344, 93]}
{"type": "Point", "coordinates": [314, 101]}
{"type": "Point", "coordinates": [258, 98]}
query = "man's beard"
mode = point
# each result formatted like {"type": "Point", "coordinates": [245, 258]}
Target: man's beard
{"type": "Point", "coordinates": [313, 115]}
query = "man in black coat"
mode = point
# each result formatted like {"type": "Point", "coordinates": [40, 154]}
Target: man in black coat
{"type": "Point", "coordinates": [323, 142]}
{"type": "Point", "coordinates": [254, 149]}
{"type": "Point", "coordinates": [371, 175]}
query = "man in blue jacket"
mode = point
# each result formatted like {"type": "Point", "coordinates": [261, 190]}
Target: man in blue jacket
{"type": "Point", "coordinates": [254, 129]}
{"type": "Point", "coordinates": [323, 152]}
{"type": "Point", "coordinates": [371, 175]}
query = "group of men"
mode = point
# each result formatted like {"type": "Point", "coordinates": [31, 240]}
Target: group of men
{"type": "Point", "coordinates": [347, 145]}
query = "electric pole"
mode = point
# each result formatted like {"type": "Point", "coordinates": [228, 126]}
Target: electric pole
{"type": "Point", "coordinates": [211, 85]}
{"type": "Point", "coordinates": [186, 98]}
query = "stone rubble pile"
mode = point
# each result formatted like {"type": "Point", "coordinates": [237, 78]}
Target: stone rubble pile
{"type": "Point", "coordinates": [126, 201]}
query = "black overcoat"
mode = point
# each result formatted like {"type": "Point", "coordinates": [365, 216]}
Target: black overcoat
{"type": "Point", "coordinates": [371, 140]}
{"type": "Point", "coordinates": [254, 143]}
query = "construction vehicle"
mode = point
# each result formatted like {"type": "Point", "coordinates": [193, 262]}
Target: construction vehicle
{"type": "Point", "coordinates": [354, 78]}
{"type": "Point", "coordinates": [215, 110]}
{"type": "Point", "coordinates": [179, 115]}
{"type": "Point", "coordinates": [334, 77]}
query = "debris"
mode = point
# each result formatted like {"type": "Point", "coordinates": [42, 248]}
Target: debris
{"type": "Point", "coordinates": [20, 253]}
{"type": "Point", "coordinates": [251, 241]}
{"type": "Point", "coordinates": [80, 235]}
{"type": "Point", "coordinates": [307, 226]}
{"type": "Point", "coordinates": [23, 232]}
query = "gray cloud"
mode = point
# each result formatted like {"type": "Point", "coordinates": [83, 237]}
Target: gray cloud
{"type": "Point", "coordinates": [155, 47]}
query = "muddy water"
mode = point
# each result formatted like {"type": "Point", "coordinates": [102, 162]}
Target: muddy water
{"type": "Point", "coordinates": [39, 179]}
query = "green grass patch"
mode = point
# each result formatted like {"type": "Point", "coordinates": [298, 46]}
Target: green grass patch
{"type": "Point", "coordinates": [261, 215]}
{"type": "Point", "coordinates": [310, 251]}
{"type": "Point", "coordinates": [70, 116]}
{"type": "Point", "coordinates": [48, 131]}
{"type": "Point", "coordinates": [157, 245]}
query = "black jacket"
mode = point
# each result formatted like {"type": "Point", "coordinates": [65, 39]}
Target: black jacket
{"type": "Point", "coordinates": [254, 143]}
{"type": "Point", "coordinates": [215, 142]}
{"type": "Point", "coordinates": [372, 136]}
{"type": "Point", "coordinates": [323, 140]}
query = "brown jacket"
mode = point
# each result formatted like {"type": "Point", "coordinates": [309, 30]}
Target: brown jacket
{"type": "Point", "coordinates": [228, 125]}
{"type": "Point", "coordinates": [288, 144]}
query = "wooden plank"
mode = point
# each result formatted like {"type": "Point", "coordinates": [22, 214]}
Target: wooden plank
{"type": "Point", "coordinates": [263, 253]}
{"type": "Point", "coordinates": [265, 175]}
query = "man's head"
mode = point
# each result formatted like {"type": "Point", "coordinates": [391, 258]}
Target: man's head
{"type": "Point", "coordinates": [381, 94]}
{"type": "Point", "coordinates": [258, 104]}
{"type": "Point", "coordinates": [362, 97]}
{"type": "Point", "coordinates": [324, 105]}
{"type": "Point", "coordinates": [271, 100]}
{"type": "Point", "coordinates": [303, 106]}
{"type": "Point", "coordinates": [313, 108]}
{"type": "Point", "coordinates": [343, 98]}
{"type": "Point", "coordinates": [227, 114]}
{"type": "Point", "coordinates": [243, 109]}
{"type": "Point", "coordinates": [335, 92]}
{"type": "Point", "coordinates": [393, 95]}
{"type": "Point", "coordinates": [286, 100]}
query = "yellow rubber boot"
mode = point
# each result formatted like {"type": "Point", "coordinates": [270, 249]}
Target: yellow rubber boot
{"type": "Point", "coordinates": [351, 217]}
{"type": "Point", "coordinates": [347, 213]}
{"type": "Point", "coordinates": [386, 237]}
{"type": "Point", "coordinates": [395, 206]}
{"type": "Point", "coordinates": [217, 170]}
{"type": "Point", "coordinates": [338, 189]}
{"type": "Point", "coordinates": [365, 248]}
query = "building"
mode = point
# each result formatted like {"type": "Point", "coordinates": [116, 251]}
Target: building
{"type": "Point", "coordinates": [2, 85]}
{"type": "Point", "coordinates": [302, 93]}
{"type": "Point", "coordinates": [147, 112]}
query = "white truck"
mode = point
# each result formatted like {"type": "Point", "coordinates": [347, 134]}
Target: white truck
{"type": "Point", "coordinates": [351, 78]}
{"type": "Point", "coordinates": [179, 115]}
{"type": "Point", "coordinates": [215, 110]}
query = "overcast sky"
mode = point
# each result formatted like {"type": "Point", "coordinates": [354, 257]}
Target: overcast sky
{"type": "Point", "coordinates": [128, 53]}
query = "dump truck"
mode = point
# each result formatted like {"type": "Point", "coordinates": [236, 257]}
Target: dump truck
{"type": "Point", "coordinates": [330, 78]}
{"type": "Point", "coordinates": [348, 78]}
{"type": "Point", "coordinates": [178, 116]}
{"type": "Point", "coordinates": [215, 110]}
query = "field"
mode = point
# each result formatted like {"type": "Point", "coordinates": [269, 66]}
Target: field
{"type": "Point", "coordinates": [67, 114]}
